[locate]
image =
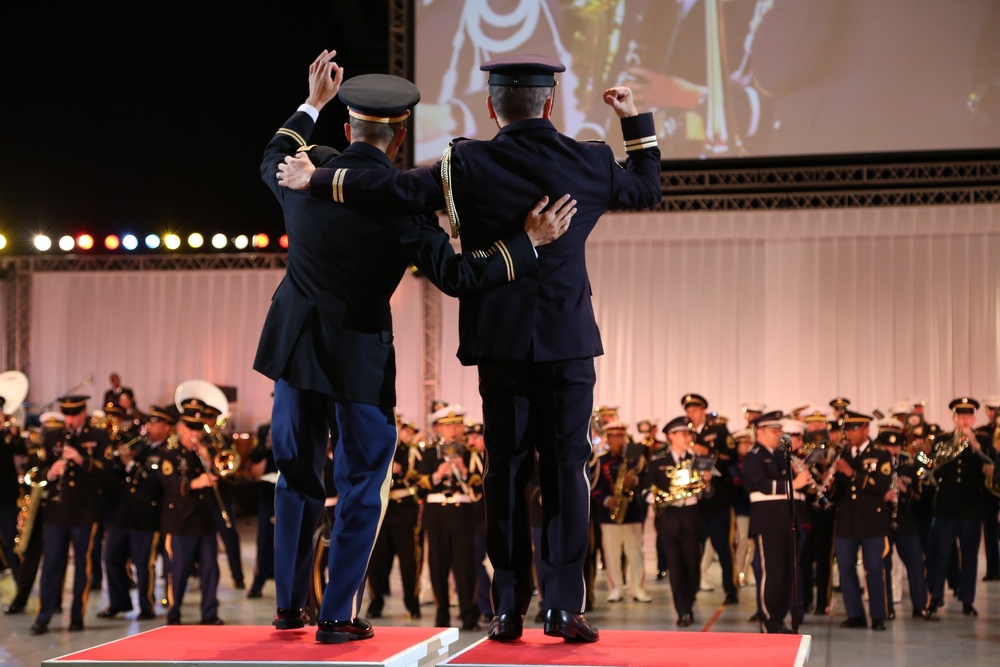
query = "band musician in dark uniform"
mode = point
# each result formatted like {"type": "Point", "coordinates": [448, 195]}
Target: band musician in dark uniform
{"type": "Point", "coordinates": [327, 337]}
{"type": "Point", "coordinates": [73, 464]}
{"type": "Point", "coordinates": [533, 340]}
{"type": "Point", "coordinates": [862, 475]}
{"type": "Point", "coordinates": [766, 479]}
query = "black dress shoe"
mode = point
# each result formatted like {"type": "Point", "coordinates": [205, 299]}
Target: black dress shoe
{"type": "Point", "coordinates": [289, 619]}
{"type": "Point", "coordinates": [76, 626]}
{"type": "Point", "coordinates": [731, 598]}
{"type": "Point", "coordinates": [145, 616]}
{"type": "Point", "coordinates": [823, 611]}
{"type": "Point", "coordinates": [684, 620]}
{"type": "Point", "coordinates": [173, 621]}
{"type": "Point", "coordinates": [13, 608]}
{"type": "Point", "coordinates": [892, 615]}
{"type": "Point", "coordinates": [879, 624]}
{"type": "Point", "coordinates": [215, 620]}
{"type": "Point", "coordinates": [756, 618]}
{"type": "Point", "coordinates": [239, 584]}
{"type": "Point", "coordinates": [540, 616]}
{"type": "Point", "coordinates": [570, 626]}
{"type": "Point", "coordinates": [854, 623]}
{"type": "Point", "coordinates": [254, 593]}
{"type": "Point", "coordinates": [413, 614]}
{"type": "Point", "coordinates": [969, 610]}
{"type": "Point", "coordinates": [506, 627]}
{"type": "Point", "coordinates": [935, 605]}
{"type": "Point", "coordinates": [338, 632]}
{"type": "Point", "coordinates": [111, 612]}
{"type": "Point", "coordinates": [661, 575]}
{"type": "Point", "coordinates": [374, 612]}
{"type": "Point", "coordinates": [991, 576]}
{"type": "Point", "coordinates": [926, 614]}
{"type": "Point", "coordinates": [39, 628]}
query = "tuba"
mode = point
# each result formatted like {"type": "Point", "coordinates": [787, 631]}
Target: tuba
{"type": "Point", "coordinates": [685, 483]}
{"type": "Point", "coordinates": [13, 389]}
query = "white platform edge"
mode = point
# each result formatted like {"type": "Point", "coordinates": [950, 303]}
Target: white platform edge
{"type": "Point", "coordinates": [804, 647]}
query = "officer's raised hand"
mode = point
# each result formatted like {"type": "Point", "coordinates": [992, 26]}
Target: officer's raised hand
{"type": "Point", "coordinates": [621, 100]}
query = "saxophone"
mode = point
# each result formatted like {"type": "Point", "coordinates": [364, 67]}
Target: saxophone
{"type": "Point", "coordinates": [28, 505]}
{"type": "Point", "coordinates": [621, 495]}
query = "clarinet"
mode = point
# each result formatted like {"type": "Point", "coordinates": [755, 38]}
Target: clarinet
{"type": "Point", "coordinates": [893, 525]}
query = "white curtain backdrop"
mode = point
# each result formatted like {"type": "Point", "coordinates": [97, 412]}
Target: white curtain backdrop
{"type": "Point", "coordinates": [785, 307]}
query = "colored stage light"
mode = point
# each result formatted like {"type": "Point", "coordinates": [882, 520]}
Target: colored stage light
{"type": "Point", "coordinates": [3, 241]}
{"type": "Point", "coordinates": [172, 241]}
{"type": "Point", "coordinates": [241, 242]}
{"type": "Point", "coordinates": [283, 241]}
{"type": "Point", "coordinates": [196, 240]}
{"type": "Point", "coordinates": [152, 241]}
{"type": "Point", "coordinates": [42, 242]}
{"type": "Point", "coordinates": [130, 242]}
{"type": "Point", "coordinates": [219, 241]}
{"type": "Point", "coordinates": [66, 243]}
{"type": "Point", "coordinates": [260, 240]}
{"type": "Point", "coordinates": [111, 242]}
{"type": "Point", "coordinates": [85, 241]}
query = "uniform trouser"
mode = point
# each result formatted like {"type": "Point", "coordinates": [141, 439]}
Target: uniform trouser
{"type": "Point", "coordinates": [543, 406]}
{"type": "Point", "coordinates": [450, 550]}
{"type": "Point", "coordinates": [720, 529]}
{"type": "Point", "coordinates": [483, 580]}
{"type": "Point", "coordinates": [97, 551]}
{"type": "Point", "coordinates": [991, 539]}
{"type": "Point", "coordinates": [773, 566]}
{"type": "Point", "coordinates": [57, 543]}
{"type": "Point", "coordinates": [264, 566]}
{"type": "Point", "coordinates": [396, 540]}
{"type": "Point", "coordinates": [912, 556]}
{"type": "Point", "coordinates": [873, 550]}
{"type": "Point", "coordinates": [302, 424]}
{"type": "Point", "coordinates": [680, 530]}
{"type": "Point", "coordinates": [590, 563]}
{"type": "Point", "coordinates": [536, 543]}
{"type": "Point", "coordinates": [8, 531]}
{"type": "Point", "coordinates": [30, 560]}
{"type": "Point", "coordinates": [822, 545]}
{"type": "Point", "coordinates": [618, 540]}
{"type": "Point", "coordinates": [230, 540]}
{"type": "Point", "coordinates": [116, 562]}
{"type": "Point", "coordinates": [744, 549]}
{"type": "Point", "coordinates": [943, 533]}
{"type": "Point", "coordinates": [185, 551]}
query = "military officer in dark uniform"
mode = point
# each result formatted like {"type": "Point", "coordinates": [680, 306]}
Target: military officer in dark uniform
{"type": "Point", "coordinates": [718, 513]}
{"type": "Point", "coordinates": [861, 479]}
{"type": "Point", "coordinates": [136, 535]}
{"type": "Point", "coordinates": [840, 405]}
{"type": "Point", "coordinates": [12, 453]}
{"type": "Point", "coordinates": [187, 522]}
{"type": "Point", "coordinates": [535, 358]}
{"type": "Point", "coordinates": [398, 537]}
{"type": "Point", "coordinates": [227, 530]}
{"type": "Point", "coordinates": [449, 516]}
{"type": "Point", "coordinates": [74, 467]}
{"type": "Point", "coordinates": [327, 338]}
{"type": "Point", "coordinates": [766, 478]}
{"type": "Point", "coordinates": [962, 462]}
{"type": "Point", "coordinates": [477, 467]}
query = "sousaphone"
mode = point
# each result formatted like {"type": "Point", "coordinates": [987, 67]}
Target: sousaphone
{"type": "Point", "coordinates": [206, 392]}
{"type": "Point", "coordinates": [14, 389]}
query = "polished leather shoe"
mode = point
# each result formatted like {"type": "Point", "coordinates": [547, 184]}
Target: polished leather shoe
{"type": "Point", "coordinates": [935, 604]}
{"type": "Point", "coordinates": [111, 612]}
{"type": "Point", "coordinates": [145, 616]}
{"type": "Point", "coordinates": [506, 627]}
{"type": "Point", "coordinates": [756, 618]}
{"type": "Point", "coordinates": [254, 593]}
{"type": "Point", "coordinates": [173, 621]}
{"type": "Point", "coordinates": [731, 598]}
{"type": "Point", "coordinates": [570, 626]}
{"type": "Point", "coordinates": [13, 609]}
{"type": "Point", "coordinates": [969, 610]}
{"type": "Point", "coordinates": [76, 626]}
{"type": "Point", "coordinates": [289, 619]}
{"type": "Point", "coordinates": [660, 576]}
{"type": "Point", "coordinates": [927, 615]}
{"type": "Point", "coordinates": [684, 620]}
{"type": "Point", "coordinates": [373, 612]}
{"type": "Point", "coordinates": [338, 632]}
{"type": "Point", "coordinates": [991, 576]}
{"type": "Point", "coordinates": [39, 628]}
{"type": "Point", "coordinates": [239, 585]}
{"type": "Point", "coordinates": [854, 623]}
{"type": "Point", "coordinates": [215, 620]}
{"type": "Point", "coordinates": [879, 624]}
{"type": "Point", "coordinates": [892, 615]}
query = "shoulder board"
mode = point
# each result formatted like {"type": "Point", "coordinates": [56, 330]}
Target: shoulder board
{"type": "Point", "coordinates": [594, 141]}
{"type": "Point", "coordinates": [458, 139]}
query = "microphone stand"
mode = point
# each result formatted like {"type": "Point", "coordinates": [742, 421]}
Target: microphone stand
{"type": "Point", "coordinates": [795, 533]}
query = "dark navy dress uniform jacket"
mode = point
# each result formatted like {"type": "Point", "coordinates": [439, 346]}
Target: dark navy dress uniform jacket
{"type": "Point", "coordinates": [547, 316]}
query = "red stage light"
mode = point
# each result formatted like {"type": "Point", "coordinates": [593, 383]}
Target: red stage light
{"type": "Point", "coordinates": [111, 242]}
{"type": "Point", "coordinates": [85, 241]}
{"type": "Point", "coordinates": [283, 241]}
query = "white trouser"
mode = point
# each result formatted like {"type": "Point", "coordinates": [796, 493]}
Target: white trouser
{"type": "Point", "coordinates": [623, 539]}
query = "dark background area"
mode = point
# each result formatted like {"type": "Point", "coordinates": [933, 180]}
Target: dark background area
{"type": "Point", "coordinates": [153, 116]}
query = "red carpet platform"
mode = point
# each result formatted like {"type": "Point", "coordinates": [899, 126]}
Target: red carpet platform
{"type": "Point", "coordinates": [252, 646]}
{"type": "Point", "coordinates": [641, 649]}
